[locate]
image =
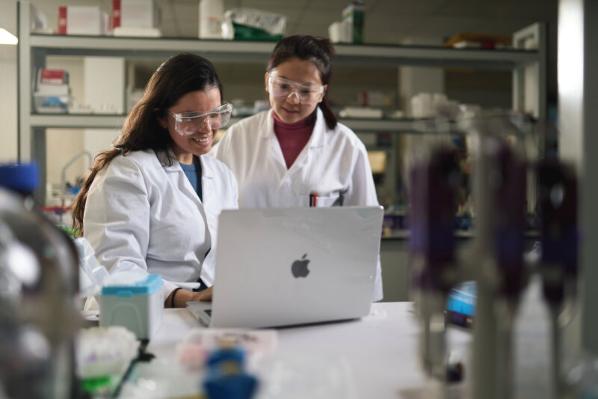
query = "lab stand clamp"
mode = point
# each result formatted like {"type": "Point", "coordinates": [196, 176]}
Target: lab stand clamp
{"type": "Point", "coordinates": [494, 258]}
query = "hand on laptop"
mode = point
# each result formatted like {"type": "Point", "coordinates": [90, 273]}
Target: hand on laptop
{"type": "Point", "coordinates": [179, 297]}
{"type": "Point", "coordinates": [203, 296]}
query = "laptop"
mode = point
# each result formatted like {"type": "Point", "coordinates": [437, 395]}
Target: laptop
{"type": "Point", "coordinates": [290, 266]}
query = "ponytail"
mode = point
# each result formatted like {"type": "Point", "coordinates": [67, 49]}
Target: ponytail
{"type": "Point", "coordinates": [329, 116]}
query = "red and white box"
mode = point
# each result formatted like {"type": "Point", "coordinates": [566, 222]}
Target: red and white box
{"type": "Point", "coordinates": [82, 20]}
{"type": "Point", "coordinates": [53, 76]}
{"type": "Point", "coordinates": [135, 18]}
{"type": "Point", "coordinates": [134, 13]}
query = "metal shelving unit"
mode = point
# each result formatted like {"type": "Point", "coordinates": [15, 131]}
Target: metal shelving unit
{"type": "Point", "coordinates": [90, 121]}
{"type": "Point", "coordinates": [34, 48]}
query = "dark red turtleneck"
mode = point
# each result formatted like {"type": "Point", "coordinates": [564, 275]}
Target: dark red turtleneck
{"type": "Point", "coordinates": [292, 137]}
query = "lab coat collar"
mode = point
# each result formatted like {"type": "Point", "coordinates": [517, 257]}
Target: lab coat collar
{"type": "Point", "coordinates": [207, 171]}
{"type": "Point", "coordinates": [317, 135]}
{"type": "Point", "coordinates": [206, 168]}
{"type": "Point", "coordinates": [164, 161]}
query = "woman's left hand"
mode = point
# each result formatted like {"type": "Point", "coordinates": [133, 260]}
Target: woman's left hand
{"type": "Point", "coordinates": [203, 296]}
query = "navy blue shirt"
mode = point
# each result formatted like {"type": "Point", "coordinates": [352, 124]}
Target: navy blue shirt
{"type": "Point", "coordinates": [193, 173]}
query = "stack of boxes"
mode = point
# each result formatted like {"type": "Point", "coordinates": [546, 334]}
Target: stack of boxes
{"type": "Point", "coordinates": [52, 91]}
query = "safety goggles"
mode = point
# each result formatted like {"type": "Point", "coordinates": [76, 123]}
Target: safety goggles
{"type": "Point", "coordinates": [283, 88]}
{"type": "Point", "coordinates": [188, 123]}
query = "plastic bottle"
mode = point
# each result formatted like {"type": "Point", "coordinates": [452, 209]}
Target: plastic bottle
{"type": "Point", "coordinates": [211, 15]}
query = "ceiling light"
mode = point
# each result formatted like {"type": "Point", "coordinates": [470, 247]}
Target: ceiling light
{"type": "Point", "coordinates": [7, 38]}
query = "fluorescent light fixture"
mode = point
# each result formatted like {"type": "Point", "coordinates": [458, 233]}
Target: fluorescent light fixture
{"type": "Point", "coordinates": [7, 38]}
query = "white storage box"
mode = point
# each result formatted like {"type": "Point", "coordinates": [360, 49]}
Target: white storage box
{"type": "Point", "coordinates": [138, 306]}
{"type": "Point", "coordinates": [135, 18]}
{"type": "Point", "coordinates": [82, 20]}
{"type": "Point", "coordinates": [104, 96]}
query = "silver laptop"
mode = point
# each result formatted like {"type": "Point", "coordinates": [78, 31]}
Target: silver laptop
{"type": "Point", "coordinates": [280, 267]}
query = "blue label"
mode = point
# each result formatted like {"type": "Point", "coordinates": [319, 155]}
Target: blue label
{"type": "Point", "coordinates": [149, 285]}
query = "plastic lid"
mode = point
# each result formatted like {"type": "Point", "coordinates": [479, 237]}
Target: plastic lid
{"type": "Point", "coordinates": [19, 177]}
{"type": "Point", "coordinates": [233, 354]}
{"type": "Point", "coordinates": [150, 284]}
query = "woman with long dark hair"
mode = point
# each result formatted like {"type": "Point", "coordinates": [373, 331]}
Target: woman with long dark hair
{"type": "Point", "coordinates": [151, 203]}
{"type": "Point", "coordinates": [297, 154]}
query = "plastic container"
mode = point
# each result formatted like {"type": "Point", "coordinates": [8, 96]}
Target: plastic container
{"type": "Point", "coordinates": [138, 305]}
{"type": "Point", "coordinates": [460, 309]}
{"type": "Point", "coordinates": [211, 15]}
{"type": "Point", "coordinates": [354, 16]}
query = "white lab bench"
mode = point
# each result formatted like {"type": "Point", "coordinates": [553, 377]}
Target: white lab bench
{"type": "Point", "coordinates": [375, 357]}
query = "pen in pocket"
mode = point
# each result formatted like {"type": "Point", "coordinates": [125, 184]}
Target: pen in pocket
{"type": "Point", "coordinates": [313, 200]}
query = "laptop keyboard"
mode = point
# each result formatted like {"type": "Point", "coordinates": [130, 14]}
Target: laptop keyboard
{"type": "Point", "coordinates": [199, 311]}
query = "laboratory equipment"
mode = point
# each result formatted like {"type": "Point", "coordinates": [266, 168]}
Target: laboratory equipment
{"type": "Point", "coordinates": [64, 186]}
{"type": "Point", "coordinates": [226, 377]}
{"type": "Point", "coordinates": [38, 286]}
{"type": "Point", "coordinates": [559, 263]}
{"type": "Point", "coordinates": [434, 184]}
{"type": "Point", "coordinates": [133, 301]}
{"type": "Point", "coordinates": [460, 307]}
{"type": "Point", "coordinates": [103, 356]}
{"type": "Point", "coordinates": [494, 257]}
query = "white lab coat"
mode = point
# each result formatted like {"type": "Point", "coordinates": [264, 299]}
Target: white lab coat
{"type": "Point", "coordinates": [333, 163]}
{"type": "Point", "coordinates": [143, 216]}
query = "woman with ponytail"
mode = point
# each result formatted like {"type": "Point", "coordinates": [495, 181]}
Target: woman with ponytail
{"type": "Point", "coordinates": [297, 154]}
{"type": "Point", "coordinates": [151, 203]}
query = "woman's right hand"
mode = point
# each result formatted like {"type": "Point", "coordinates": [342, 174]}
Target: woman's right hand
{"type": "Point", "coordinates": [204, 296]}
{"type": "Point", "coordinates": [182, 296]}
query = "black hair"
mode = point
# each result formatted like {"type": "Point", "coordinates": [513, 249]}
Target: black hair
{"type": "Point", "coordinates": [319, 51]}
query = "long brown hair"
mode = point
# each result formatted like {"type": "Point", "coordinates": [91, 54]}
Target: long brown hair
{"type": "Point", "coordinates": [319, 51]}
{"type": "Point", "coordinates": [142, 130]}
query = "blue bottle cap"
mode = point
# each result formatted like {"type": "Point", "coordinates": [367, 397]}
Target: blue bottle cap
{"type": "Point", "coordinates": [20, 177]}
{"type": "Point", "coordinates": [231, 386]}
{"type": "Point", "coordinates": [219, 356]}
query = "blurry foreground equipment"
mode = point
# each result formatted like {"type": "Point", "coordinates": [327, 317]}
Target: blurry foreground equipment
{"type": "Point", "coordinates": [494, 258]}
{"type": "Point", "coordinates": [38, 286]}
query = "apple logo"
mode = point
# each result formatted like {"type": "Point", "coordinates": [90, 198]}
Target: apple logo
{"type": "Point", "coordinates": [299, 267]}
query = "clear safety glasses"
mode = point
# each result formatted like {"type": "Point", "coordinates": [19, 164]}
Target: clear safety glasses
{"type": "Point", "coordinates": [283, 88]}
{"type": "Point", "coordinates": [188, 123]}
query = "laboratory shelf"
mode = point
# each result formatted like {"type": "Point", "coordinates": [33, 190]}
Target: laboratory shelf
{"type": "Point", "coordinates": [91, 121]}
{"type": "Point", "coordinates": [130, 47]}
{"type": "Point", "coordinates": [528, 67]}
{"type": "Point", "coordinates": [247, 51]}
{"type": "Point", "coordinates": [76, 121]}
